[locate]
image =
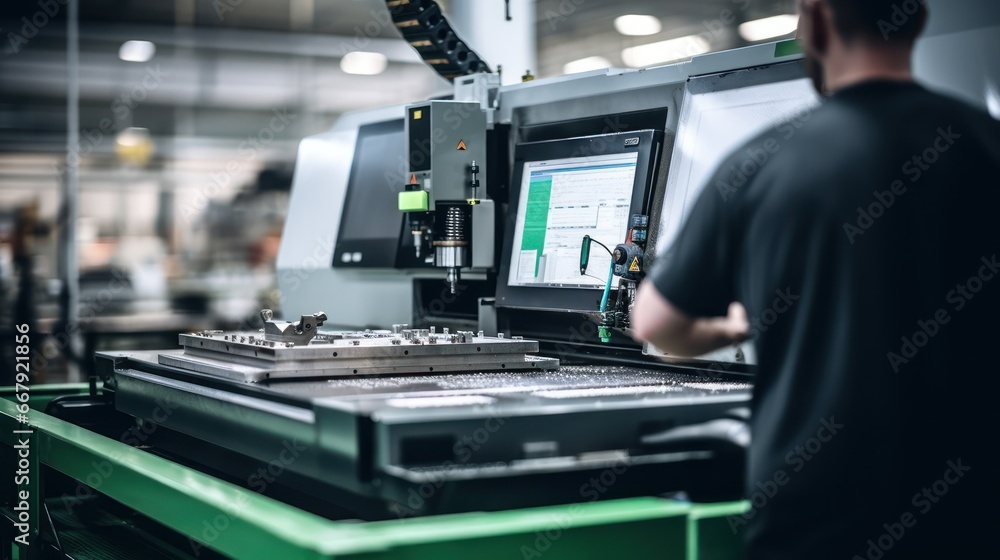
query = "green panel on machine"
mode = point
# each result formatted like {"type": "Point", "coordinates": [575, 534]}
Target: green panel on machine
{"type": "Point", "coordinates": [787, 48]}
{"type": "Point", "coordinates": [413, 201]}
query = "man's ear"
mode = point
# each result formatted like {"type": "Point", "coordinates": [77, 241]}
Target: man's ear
{"type": "Point", "coordinates": [815, 23]}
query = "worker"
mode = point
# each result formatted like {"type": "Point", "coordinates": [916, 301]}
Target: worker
{"type": "Point", "coordinates": [861, 244]}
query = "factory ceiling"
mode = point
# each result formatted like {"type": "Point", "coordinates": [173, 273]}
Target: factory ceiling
{"type": "Point", "coordinates": [226, 63]}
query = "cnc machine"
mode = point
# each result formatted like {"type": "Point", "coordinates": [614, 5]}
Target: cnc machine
{"type": "Point", "coordinates": [456, 280]}
{"type": "Point", "coordinates": [549, 211]}
{"type": "Point", "coordinates": [450, 373]}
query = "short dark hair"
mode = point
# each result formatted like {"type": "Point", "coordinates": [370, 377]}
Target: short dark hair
{"type": "Point", "coordinates": [893, 21]}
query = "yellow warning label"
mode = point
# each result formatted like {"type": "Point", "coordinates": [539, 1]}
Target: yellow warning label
{"type": "Point", "coordinates": [461, 145]}
{"type": "Point", "coordinates": [634, 267]}
{"type": "Point", "coordinates": [418, 114]}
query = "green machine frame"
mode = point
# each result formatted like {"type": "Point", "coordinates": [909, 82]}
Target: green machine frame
{"type": "Point", "coordinates": [249, 525]}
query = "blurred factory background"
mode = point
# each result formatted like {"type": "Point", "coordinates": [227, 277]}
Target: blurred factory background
{"type": "Point", "coordinates": [190, 113]}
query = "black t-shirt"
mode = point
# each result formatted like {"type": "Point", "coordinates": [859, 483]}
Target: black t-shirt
{"type": "Point", "coordinates": [863, 239]}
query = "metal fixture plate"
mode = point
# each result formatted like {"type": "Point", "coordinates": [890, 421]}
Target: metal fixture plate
{"type": "Point", "coordinates": [245, 356]}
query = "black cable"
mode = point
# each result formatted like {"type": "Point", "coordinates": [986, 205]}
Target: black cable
{"type": "Point", "coordinates": [610, 254]}
{"type": "Point", "coordinates": [425, 27]}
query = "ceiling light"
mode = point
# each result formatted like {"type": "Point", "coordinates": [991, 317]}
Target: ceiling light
{"type": "Point", "coordinates": [134, 145]}
{"type": "Point", "coordinates": [768, 28]}
{"type": "Point", "coordinates": [586, 65]}
{"type": "Point", "coordinates": [663, 52]}
{"type": "Point", "coordinates": [136, 51]}
{"type": "Point", "coordinates": [364, 63]}
{"type": "Point", "coordinates": [636, 25]}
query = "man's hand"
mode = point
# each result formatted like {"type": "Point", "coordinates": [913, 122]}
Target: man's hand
{"type": "Point", "coordinates": [735, 324]}
{"type": "Point", "coordinates": [657, 321]}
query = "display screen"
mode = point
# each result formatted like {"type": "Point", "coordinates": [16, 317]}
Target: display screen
{"type": "Point", "coordinates": [372, 205]}
{"type": "Point", "coordinates": [561, 201]}
{"type": "Point", "coordinates": [370, 222]}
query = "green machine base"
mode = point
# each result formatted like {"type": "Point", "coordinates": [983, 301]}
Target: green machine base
{"type": "Point", "coordinates": [220, 519]}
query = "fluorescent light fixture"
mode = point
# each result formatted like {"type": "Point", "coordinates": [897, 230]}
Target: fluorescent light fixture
{"type": "Point", "coordinates": [768, 28]}
{"type": "Point", "coordinates": [663, 52]}
{"type": "Point", "coordinates": [586, 65]}
{"type": "Point", "coordinates": [637, 25]}
{"type": "Point", "coordinates": [136, 51]}
{"type": "Point", "coordinates": [364, 63]}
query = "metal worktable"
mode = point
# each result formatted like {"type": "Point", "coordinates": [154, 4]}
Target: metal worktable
{"type": "Point", "coordinates": [211, 516]}
{"type": "Point", "coordinates": [369, 445]}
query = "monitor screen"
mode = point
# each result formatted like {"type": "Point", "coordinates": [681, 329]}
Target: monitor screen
{"type": "Point", "coordinates": [560, 202]}
{"type": "Point", "coordinates": [371, 222]}
{"type": "Point", "coordinates": [561, 191]}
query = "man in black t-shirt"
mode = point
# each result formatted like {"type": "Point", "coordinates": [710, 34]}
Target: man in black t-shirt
{"type": "Point", "coordinates": [866, 254]}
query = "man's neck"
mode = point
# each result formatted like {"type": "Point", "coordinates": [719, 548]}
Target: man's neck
{"type": "Point", "coordinates": [860, 64]}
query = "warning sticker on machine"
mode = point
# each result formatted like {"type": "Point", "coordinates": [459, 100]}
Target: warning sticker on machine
{"type": "Point", "coordinates": [634, 267]}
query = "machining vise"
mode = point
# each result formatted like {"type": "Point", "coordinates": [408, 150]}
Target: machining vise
{"type": "Point", "coordinates": [445, 198]}
{"type": "Point", "coordinates": [300, 332]}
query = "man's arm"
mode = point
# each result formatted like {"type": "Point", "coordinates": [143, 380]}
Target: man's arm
{"type": "Point", "coordinates": [657, 321]}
